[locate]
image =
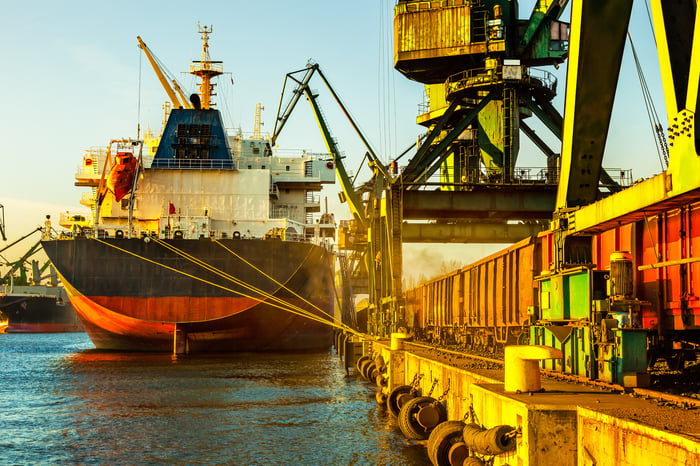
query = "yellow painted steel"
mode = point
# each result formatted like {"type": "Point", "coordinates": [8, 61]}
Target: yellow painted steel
{"type": "Point", "coordinates": [680, 183]}
{"type": "Point", "coordinates": [684, 163]}
{"type": "Point", "coordinates": [206, 69]}
{"type": "Point", "coordinates": [596, 43]}
{"type": "Point", "coordinates": [185, 100]}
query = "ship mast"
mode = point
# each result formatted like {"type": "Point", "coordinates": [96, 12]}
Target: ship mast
{"type": "Point", "coordinates": [206, 69]}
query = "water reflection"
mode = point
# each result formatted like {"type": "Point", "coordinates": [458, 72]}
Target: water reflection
{"type": "Point", "coordinates": [65, 403]}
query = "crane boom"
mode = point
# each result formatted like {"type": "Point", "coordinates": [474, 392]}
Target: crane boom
{"type": "Point", "coordinates": [161, 77]}
{"type": "Point", "coordinates": [185, 101]}
{"type": "Point", "coordinates": [354, 201]}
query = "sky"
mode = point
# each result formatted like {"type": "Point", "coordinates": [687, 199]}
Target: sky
{"type": "Point", "coordinates": [74, 78]}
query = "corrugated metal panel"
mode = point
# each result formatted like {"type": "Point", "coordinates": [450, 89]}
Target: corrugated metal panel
{"type": "Point", "coordinates": [432, 29]}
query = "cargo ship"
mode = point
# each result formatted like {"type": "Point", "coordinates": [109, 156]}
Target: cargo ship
{"type": "Point", "coordinates": [37, 309]}
{"type": "Point", "coordinates": [200, 240]}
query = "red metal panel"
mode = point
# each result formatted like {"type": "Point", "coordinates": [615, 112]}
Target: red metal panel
{"type": "Point", "coordinates": [496, 308]}
{"type": "Point", "coordinates": [693, 235]}
{"type": "Point", "coordinates": [524, 273]}
{"type": "Point", "coordinates": [483, 293]}
{"type": "Point", "coordinates": [473, 291]}
{"type": "Point", "coordinates": [672, 251]}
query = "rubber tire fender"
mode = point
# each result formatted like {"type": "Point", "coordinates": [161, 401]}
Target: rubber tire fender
{"type": "Point", "coordinates": [367, 369]}
{"type": "Point", "coordinates": [392, 401]}
{"type": "Point", "coordinates": [441, 440]}
{"type": "Point", "coordinates": [381, 398]}
{"type": "Point", "coordinates": [363, 368]}
{"type": "Point", "coordinates": [407, 422]}
{"type": "Point", "coordinates": [372, 373]}
{"type": "Point", "coordinates": [358, 363]}
{"type": "Point", "coordinates": [487, 441]}
{"type": "Point", "coordinates": [473, 461]}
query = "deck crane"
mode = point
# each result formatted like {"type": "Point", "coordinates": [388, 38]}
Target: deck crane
{"type": "Point", "coordinates": [161, 77]}
{"type": "Point", "coordinates": [302, 87]}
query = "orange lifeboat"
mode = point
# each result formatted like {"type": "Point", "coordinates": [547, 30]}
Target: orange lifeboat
{"type": "Point", "coordinates": [121, 176]}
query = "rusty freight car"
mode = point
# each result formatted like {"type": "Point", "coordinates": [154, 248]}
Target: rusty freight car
{"type": "Point", "coordinates": [484, 304]}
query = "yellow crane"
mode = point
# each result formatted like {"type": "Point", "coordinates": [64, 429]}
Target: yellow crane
{"type": "Point", "coordinates": [161, 77]}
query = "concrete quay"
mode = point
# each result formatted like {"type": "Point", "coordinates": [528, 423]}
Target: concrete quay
{"type": "Point", "coordinates": [563, 424]}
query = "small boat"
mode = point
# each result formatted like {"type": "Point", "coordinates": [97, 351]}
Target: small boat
{"type": "Point", "coordinates": [121, 176]}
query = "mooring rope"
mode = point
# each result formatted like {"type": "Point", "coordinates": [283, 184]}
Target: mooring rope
{"type": "Point", "coordinates": [267, 297]}
{"type": "Point", "coordinates": [211, 268]}
{"type": "Point", "coordinates": [235, 280]}
{"type": "Point", "coordinates": [238, 256]}
{"type": "Point", "coordinates": [255, 298]}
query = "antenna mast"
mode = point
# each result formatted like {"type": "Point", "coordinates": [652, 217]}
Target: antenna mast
{"type": "Point", "coordinates": [206, 69]}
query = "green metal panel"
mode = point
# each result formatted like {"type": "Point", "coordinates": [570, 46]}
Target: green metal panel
{"type": "Point", "coordinates": [545, 300]}
{"type": "Point", "coordinates": [576, 348]}
{"type": "Point", "coordinates": [557, 298]}
{"type": "Point", "coordinates": [579, 300]}
{"type": "Point", "coordinates": [632, 350]}
{"type": "Point", "coordinates": [627, 356]}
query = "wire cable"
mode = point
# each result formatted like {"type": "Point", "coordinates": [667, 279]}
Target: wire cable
{"type": "Point", "coordinates": [659, 137]}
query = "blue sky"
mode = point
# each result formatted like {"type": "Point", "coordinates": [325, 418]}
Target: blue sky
{"type": "Point", "coordinates": [70, 81]}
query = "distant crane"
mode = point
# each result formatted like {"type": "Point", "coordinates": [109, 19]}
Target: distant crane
{"type": "Point", "coordinates": [2, 222]}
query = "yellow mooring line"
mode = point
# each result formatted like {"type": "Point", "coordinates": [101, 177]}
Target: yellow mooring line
{"type": "Point", "coordinates": [284, 305]}
{"type": "Point", "coordinates": [234, 279]}
{"type": "Point", "coordinates": [273, 279]}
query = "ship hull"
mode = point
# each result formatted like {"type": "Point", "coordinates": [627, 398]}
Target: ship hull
{"type": "Point", "coordinates": [136, 294]}
{"type": "Point", "coordinates": [38, 314]}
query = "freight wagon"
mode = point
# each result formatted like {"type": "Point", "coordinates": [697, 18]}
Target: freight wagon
{"type": "Point", "coordinates": [628, 298]}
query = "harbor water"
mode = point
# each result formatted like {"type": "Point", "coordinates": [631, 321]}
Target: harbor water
{"type": "Point", "coordinates": [63, 402]}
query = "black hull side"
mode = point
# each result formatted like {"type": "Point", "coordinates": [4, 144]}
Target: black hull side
{"type": "Point", "coordinates": [134, 294]}
{"type": "Point", "coordinates": [36, 314]}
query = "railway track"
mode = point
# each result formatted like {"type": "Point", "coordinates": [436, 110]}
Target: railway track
{"type": "Point", "coordinates": [677, 387]}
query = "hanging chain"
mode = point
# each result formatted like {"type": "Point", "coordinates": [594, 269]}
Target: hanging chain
{"type": "Point", "coordinates": [471, 415]}
{"type": "Point", "coordinates": [415, 384]}
{"type": "Point", "coordinates": [435, 382]}
{"type": "Point", "coordinates": [447, 390]}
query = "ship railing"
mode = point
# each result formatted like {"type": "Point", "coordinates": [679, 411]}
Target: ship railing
{"type": "Point", "coordinates": [300, 153]}
{"type": "Point", "coordinates": [206, 66]}
{"type": "Point", "coordinates": [243, 135]}
{"type": "Point", "coordinates": [195, 164]}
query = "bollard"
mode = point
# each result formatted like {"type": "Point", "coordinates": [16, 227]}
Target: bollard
{"type": "Point", "coordinates": [398, 339]}
{"type": "Point", "coordinates": [523, 368]}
